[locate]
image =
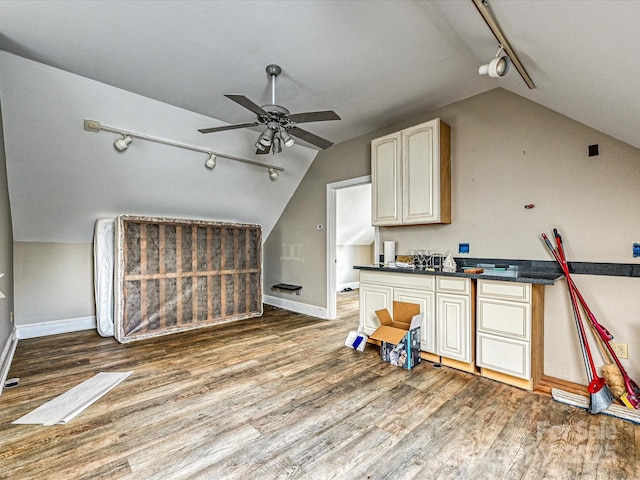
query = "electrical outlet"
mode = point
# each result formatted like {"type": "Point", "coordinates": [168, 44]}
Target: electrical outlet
{"type": "Point", "coordinates": [621, 349]}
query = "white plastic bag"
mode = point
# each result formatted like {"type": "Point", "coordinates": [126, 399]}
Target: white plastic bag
{"type": "Point", "coordinates": [356, 340]}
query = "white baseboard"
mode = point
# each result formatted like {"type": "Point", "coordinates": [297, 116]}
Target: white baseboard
{"type": "Point", "coordinates": [42, 329]}
{"type": "Point", "coordinates": [297, 307]}
{"type": "Point", "coordinates": [7, 357]}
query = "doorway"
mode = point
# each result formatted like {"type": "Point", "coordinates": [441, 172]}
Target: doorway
{"type": "Point", "coordinates": [349, 235]}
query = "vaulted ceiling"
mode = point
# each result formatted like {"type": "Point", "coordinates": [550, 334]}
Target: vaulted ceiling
{"type": "Point", "coordinates": [373, 62]}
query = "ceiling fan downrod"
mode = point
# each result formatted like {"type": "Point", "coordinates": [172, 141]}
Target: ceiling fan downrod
{"type": "Point", "coordinates": [273, 71]}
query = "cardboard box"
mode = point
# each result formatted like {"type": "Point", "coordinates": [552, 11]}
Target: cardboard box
{"type": "Point", "coordinates": [400, 335]}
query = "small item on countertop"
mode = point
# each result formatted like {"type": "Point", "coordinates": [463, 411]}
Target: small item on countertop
{"type": "Point", "coordinates": [474, 270]}
{"type": "Point", "coordinates": [449, 264]}
{"type": "Point", "coordinates": [404, 265]}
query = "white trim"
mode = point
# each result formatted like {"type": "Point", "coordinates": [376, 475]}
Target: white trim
{"type": "Point", "coordinates": [332, 302]}
{"type": "Point", "coordinates": [298, 307]}
{"type": "Point", "coordinates": [7, 357]}
{"type": "Point", "coordinates": [42, 329]}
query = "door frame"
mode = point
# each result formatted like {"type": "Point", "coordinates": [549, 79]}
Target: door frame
{"type": "Point", "coordinates": [332, 211]}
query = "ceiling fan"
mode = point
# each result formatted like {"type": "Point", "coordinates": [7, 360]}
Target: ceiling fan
{"type": "Point", "coordinates": [281, 125]}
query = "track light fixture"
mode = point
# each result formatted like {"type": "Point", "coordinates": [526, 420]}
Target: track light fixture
{"type": "Point", "coordinates": [498, 67]}
{"type": "Point", "coordinates": [121, 144]}
{"type": "Point", "coordinates": [483, 8]}
{"type": "Point", "coordinates": [210, 163]}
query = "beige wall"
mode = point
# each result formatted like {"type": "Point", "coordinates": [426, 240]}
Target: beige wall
{"type": "Point", "coordinates": [506, 152]}
{"type": "Point", "coordinates": [6, 251]}
{"type": "Point", "coordinates": [53, 281]}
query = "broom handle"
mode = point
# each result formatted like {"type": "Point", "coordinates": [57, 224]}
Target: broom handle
{"type": "Point", "coordinates": [576, 314]}
{"type": "Point", "coordinates": [632, 388]}
{"type": "Point", "coordinates": [576, 307]}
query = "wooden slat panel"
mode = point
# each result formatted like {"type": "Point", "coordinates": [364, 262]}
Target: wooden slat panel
{"type": "Point", "coordinates": [189, 275]}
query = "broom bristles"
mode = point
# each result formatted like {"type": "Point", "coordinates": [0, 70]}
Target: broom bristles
{"type": "Point", "coordinates": [615, 380]}
{"type": "Point", "coordinates": [600, 400]}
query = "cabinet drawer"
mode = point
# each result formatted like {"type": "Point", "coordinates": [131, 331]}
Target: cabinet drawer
{"type": "Point", "coordinates": [453, 285]}
{"type": "Point", "coordinates": [507, 290]}
{"type": "Point", "coordinates": [409, 280]}
{"type": "Point", "coordinates": [511, 319]}
{"type": "Point", "coordinates": [504, 355]}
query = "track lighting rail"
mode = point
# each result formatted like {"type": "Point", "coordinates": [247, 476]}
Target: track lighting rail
{"type": "Point", "coordinates": [95, 126]}
{"type": "Point", "coordinates": [483, 8]}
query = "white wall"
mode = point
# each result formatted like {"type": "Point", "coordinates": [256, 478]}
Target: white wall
{"type": "Point", "coordinates": [62, 178]}
{"type": "Point", "coordinates": [6, 259]}
{"type": "Point", "coordinates": [508, 152]}
{"type": "Point", "coordinates": [53, 282]}
{"type": "Point", "coordinates": [346, 257]}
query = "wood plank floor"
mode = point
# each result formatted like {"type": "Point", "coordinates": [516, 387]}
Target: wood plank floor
{"type": "Point", "coordinates": [280, 397]}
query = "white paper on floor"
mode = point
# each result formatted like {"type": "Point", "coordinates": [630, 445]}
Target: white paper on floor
{"type": "Point", "coordinates": [65, 407]}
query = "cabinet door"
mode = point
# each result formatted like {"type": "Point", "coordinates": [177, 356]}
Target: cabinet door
{"type": "Point", "coordinates": [386, 180]}
{"type": "Point", "coordinates": [453, 326]}
{"type": "Point", "coordinates": [372, 298]}
{"type": "Point", "coordinates": [504, 355]}
{"type": "Point", "coordinates": [426, 300]}
{"type": "Point", "coordinates": [421, 174]}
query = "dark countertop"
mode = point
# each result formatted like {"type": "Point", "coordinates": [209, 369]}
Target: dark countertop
{"type": "Point", "coordinates": [542, 277]}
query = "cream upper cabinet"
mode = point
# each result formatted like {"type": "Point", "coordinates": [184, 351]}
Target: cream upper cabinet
{"type": "Point", "coordinates": [411, 176]}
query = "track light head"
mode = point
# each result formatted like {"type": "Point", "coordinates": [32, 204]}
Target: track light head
{"type": "Point", "coordinates": [121, 144]}
{"type": "Point", "coordinates": [210, 163]}
{"type": "Point", "coordinates": [286, 138]}
{"type": "Point", "coordinates": [273, 174]}
{"type": "Point", "coordinates": [259, 146]}
{"type": "Point", "coordinates": [498, 67]}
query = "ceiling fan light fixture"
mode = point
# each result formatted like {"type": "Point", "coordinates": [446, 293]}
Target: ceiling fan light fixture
{"type": "Point", "coordinates": [273, 174]}
{"type": "Point", "coordinates": [210, 163]}
{"type": "Point", "coordinates": [277, 145]}
{"type": "Point", "coordinates": [286, 138]}
{"type": "Point", "coordinates": [267, 137]}
{"type": "Point", "coordinates": [121, 144]}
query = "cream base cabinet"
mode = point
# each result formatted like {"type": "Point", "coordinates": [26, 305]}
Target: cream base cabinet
{"type": "Point", "coordinates": [378, 290]}
{"type": "Point", "coordinates": [509, 332]}
{"type": "Point", "coordinates": [426, 300]}
{"type": "Point", "coordinates": [372, 298]}
{"type": "Point", "coordinates": [454, 321]}
{"type": "Point", "coordinates": [411, 176]}
{"type": "Point", "coordinates": [447, 328]}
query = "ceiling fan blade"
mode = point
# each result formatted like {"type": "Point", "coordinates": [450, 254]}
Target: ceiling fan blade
{"type": "Point", "coordinates": [310, 137]}
{"type": "Point", "coordinates": [263, 152]}
{"type": "Point", "coordinates": [228, 127]}
{"type": "Point", "coordinates": [246, 103]}
{"type": "Point", "coordinates": [313, 116]}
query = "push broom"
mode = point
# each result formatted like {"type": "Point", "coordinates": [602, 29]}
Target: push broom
{"type": "Point", "coordinates": [632, 396]}
{"type": "Point", "coordinates": [600, 395]}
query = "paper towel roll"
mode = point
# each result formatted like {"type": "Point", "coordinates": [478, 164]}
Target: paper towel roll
{"type": "Point", "coordinates": [389, 251]}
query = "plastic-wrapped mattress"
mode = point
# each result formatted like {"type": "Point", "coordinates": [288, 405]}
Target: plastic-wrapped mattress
{"type": "Point", "coordinates": [103, 258]}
